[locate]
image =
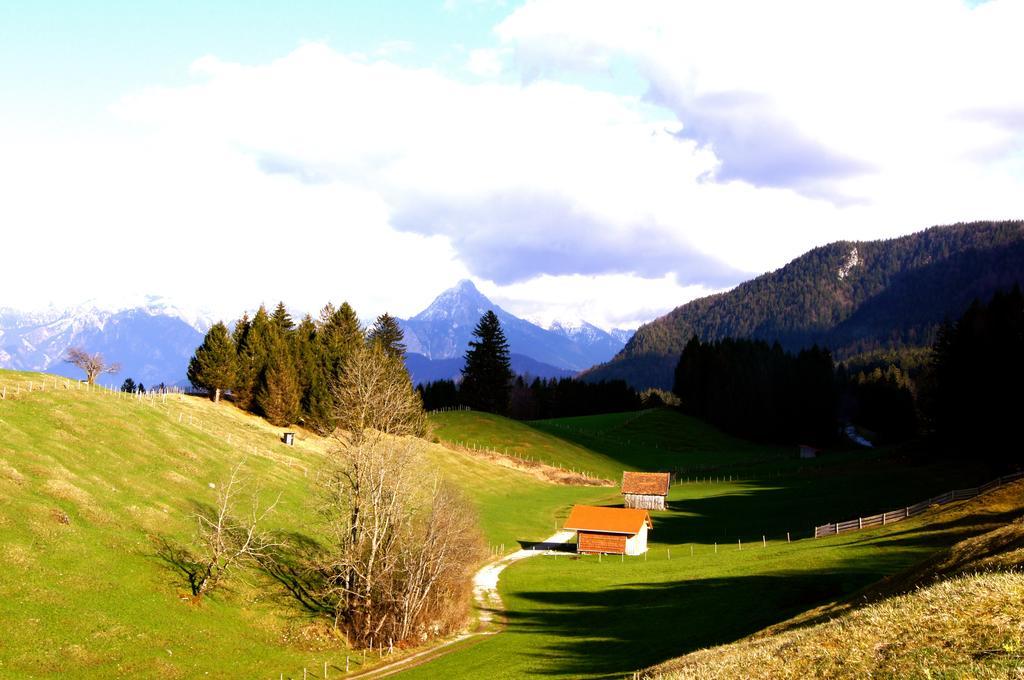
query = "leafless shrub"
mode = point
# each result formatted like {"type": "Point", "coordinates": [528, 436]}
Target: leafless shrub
{"type": "Point", "coordinates": [223, 541]}
{"type": "Point", "coordinates": [403, 545]}
{"type": "Point", "coordinates": [94, 365]}
{"type": "Point", "coordinates": [375, 394]}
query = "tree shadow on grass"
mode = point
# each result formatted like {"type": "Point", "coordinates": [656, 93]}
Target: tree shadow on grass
{"type": "Point", "coordinates": [615, 631]}
{"type": "Point", "coordinates": [543, 545]}
{"type": "Point", "coordinates": [291, 566]}
{"type": "Point", "coordinates": [180, 558]}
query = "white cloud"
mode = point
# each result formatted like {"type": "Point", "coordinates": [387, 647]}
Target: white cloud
{"type": "Point", "coordinates": [830, 98]}
{"type": "Point", "coordinates": [486, 62]}
{"type": "Point", "coordinates": [324, 176]}
{"type": "Point", "coordinates": [613, 301]}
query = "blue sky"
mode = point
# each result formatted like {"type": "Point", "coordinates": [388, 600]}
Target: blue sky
{"type": "Point", "coordinates": [85, 54]}
{"type": "Point", "coordinates": [576, 158]}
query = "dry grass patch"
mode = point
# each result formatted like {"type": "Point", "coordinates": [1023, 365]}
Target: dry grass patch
{"type": "Point", "coordinates": [65, 490]}
{"type": "Point", "coordinates": [970, 626]}
{"type": "Point", "coordinates": [172, 476]}
{"type": "Point", "coordinates": [9, 472]}
{"type": "Point", "coordinates": [18, 556]}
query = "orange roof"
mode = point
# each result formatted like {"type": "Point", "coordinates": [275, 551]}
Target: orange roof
{"type": "Point", "coordinates": [646, 483]}
{"type": "Point", "coordinates": [610, 520]}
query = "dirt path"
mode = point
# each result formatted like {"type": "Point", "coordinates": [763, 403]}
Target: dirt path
{"type": "Point", "coordinates": [488, 602]}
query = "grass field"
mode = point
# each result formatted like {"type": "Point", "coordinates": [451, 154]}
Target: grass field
{"type": "Point", "coordinates": [957, 614]}
{"type": "Point", "coordinates": [588, 618]}
{"type": "Point", "coordinates": [605, 445]}
{"type": "Point", "coordinates": [584, 618]}
{"type": "Point", "coordinates": [90, 597]}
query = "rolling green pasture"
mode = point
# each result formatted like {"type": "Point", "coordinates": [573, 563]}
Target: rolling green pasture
{"type": "Point", "coordinates": [585, 617]}
{"type": "Point", "coordinates": [581, 617]}
{"type": "Point", "coordinates": [657, 439]}
{"type": "Point", "coordinates": [91, 482]}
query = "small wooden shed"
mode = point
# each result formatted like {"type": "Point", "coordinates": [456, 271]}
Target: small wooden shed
{"type": "Point", "coordinates": [617, 531]}
{"type": "Point", "coordinates": [645, 490]}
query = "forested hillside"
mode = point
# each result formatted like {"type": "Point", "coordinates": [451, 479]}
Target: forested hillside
{"type": "Point", "coordinates": [852, 297]}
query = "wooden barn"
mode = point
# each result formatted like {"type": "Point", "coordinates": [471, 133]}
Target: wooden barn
{"type": "Point", "coordinates": [618, 531]}
{"type": "Point", "coordinates": [646, 490]}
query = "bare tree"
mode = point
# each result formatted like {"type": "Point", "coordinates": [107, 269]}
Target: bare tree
{"type": "Point", "coordinates": [375, 394]}
{"type": "Point", "coordinates": [403, 545]}
{"type": "Point", "coordinates": [94, 365]}
{"type": "Point", "coordinates": [225, 541]}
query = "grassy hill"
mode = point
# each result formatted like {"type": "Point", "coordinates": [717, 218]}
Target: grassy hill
{"type": "Point", "coordinates": [852, 297]}
{"type": "Point", "coordinates": [589, 618]}
{"type": "Point", "coordinates": [90, 481]}
{"type": "Point", "coordinates": [605, 445]}
{"type": "Point", "coordinates": [955, 615]}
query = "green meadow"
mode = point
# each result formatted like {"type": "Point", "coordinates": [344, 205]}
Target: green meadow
{"type": "Point", "coordinates": [720, 564]}
{"type": "Point", "coordinates": [92, 482]}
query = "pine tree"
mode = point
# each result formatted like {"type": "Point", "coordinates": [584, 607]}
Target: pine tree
{"type": "Point", "coordinates": [306, 350]}
{"type": "Point", "coordinates": [487, 374]}
{"type": "Point", "coordinates": [282, 319]}
{"type": "Point", "coordinates": [388, 334]}
{"type": "Point", "coordinates": [279, 394]}
{"type": "Point", "coordinates": [215, 363]}
{"type": "Point", "coordinates": [253, 347]}
{"type": "Point", "coordinates": [339, 334]}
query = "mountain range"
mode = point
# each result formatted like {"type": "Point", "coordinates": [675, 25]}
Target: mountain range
{"type": "Point", "coordinates": [154, 341]}
{"type": "Point", "coordinates": [851, 297]}
{"type": "Point", "coordinates": [437, 338]}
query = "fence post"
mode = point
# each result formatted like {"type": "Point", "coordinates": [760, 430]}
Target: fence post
{"type": "Point", "coordinates": [860, 523]}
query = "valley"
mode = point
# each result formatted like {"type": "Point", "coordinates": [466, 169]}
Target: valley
{"type": "Point", "coordinates": [707, 578]}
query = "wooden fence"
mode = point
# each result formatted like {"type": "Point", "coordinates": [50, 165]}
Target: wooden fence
{"type": "Point", "coordinates": [911, 510]}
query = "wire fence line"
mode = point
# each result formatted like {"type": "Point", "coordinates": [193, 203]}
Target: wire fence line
{"type": "Point", "coordinates": [900, 514]}
{"type": "Point", "coordinates": [12, 389]}
{"type": "Point", "coordinates": [162, 399]}
{"type": "Point", "coordinates": [523, 458]}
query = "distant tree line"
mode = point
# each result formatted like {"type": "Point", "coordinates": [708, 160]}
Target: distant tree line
{"type": "Point", "coordinates": [531, 399]}
{"type": "Point", "coordinates": [894, 293]}
{"type": "Point", "coordinates": [288, 372]}
{"type": "Point", "coordinates": [759, 391]}
{"type": "Point", "coordinates": [488, 384]}
{"type": "Point", "coordinates": [973, 396]}
{"type": "Point", "coordinates": [964, 392]}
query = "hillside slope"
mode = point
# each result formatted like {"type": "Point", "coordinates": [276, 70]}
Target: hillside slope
{"type": "Point", "coordinates": [91, 484]}
{"type": "Point", "coordinates": [849, 296]}
{"type": "Point", "coordinates": [956, 614]}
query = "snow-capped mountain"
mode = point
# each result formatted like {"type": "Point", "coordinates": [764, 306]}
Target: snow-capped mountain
{"type": "Point", "coordinates": [152, 343]}
{"type": "Point", "coordinates": [586, 334]}
{"type": "Point", "coordinates": [622, 334]}
{"type": "Point", "coordinates": [443, 331]}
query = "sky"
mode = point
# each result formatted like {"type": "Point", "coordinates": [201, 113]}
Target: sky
{"type": "Point", "coordinates": [577, 159]}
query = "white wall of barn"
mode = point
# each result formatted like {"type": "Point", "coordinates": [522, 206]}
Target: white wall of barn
{"type": "Point", "coordinates": [637, 543]}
